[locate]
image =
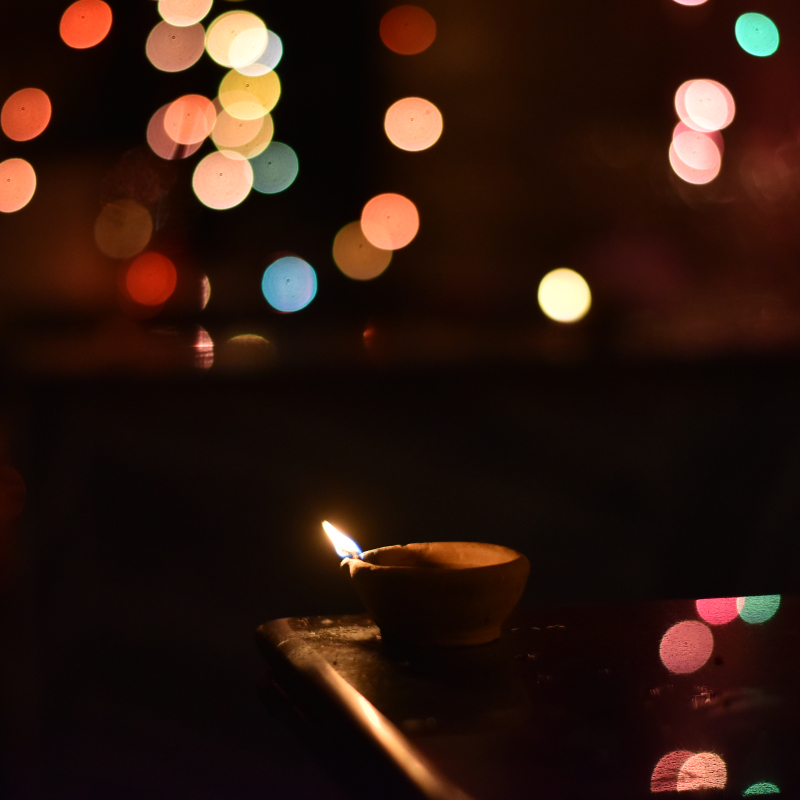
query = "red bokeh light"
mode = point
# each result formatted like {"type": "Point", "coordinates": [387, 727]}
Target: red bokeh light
{"type": "Point", "coordinates": [408, 30]}
{"type": "Point", "coordinates": [151, 279]}
{"type": "Point", "coordinates": [25, 114]}
{"type": "Point", "coordinates": [85, 23]}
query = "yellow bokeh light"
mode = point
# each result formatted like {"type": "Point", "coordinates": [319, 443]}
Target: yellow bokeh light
{"type": "Point", "coordinates": [356, 257]}
{"type": "Point", "coordinates": [222, 180]}
{"type": "Point", "coordinates": [123, 228]}
{"type": "Point", "coordinates": [564, 295]}
{"type": "Point", "coordinates": [249, 97]}
{"type": "Point", "coordinates": [413, 124]}
{"type": "Point", "coordinates": [236, 38]}
{"type": "Point", "coordinates": [17, 184]}
{"type": "Point", "coordinates": [230, 132]}
{"type": "Point", "coordinates": [183, 12]}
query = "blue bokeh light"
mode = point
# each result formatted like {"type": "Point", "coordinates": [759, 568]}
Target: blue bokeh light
{"type": "Point", "coordinates": [289, 284]}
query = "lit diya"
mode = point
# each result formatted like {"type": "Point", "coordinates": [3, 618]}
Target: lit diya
{"type": "Point", "coordinates": [435, 593]}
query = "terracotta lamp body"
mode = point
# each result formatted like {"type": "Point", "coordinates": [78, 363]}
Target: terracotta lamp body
{"type": "Point", "coordinates": [439, 593]}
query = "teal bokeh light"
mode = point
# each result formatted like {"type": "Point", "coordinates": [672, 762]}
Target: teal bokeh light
{"type": "Point", "coordinates": [289, 284]}
{"type": "Point", "coordinates": [757, 34]}
{"type": "Point", "coordinates": [761, 788]}
{"type": "Point", "coordinates": [275, 169]}
{"type": "Point", "coordinates": [759, 608]}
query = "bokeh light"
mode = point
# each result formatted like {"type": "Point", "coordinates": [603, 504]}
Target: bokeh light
{"type": "Point", "coordinates": [227, 129]}
{"type": "Point", "coordinates": [390, 221]}
{"type": "Point", "coordinates": [289, 284]}
{"type": "Point", "coordinates": [25, 114]}
{"type": "Point", "coordinates": [150, 279]}
{"type": "Point", "coordinates": [564, 295]}
{"type": "Point", "coordinates": [85, 23]}
{"type": "Point", "coordinates": [247, 97]}
{"type": "Point", "coordinates": [190, 119]}
{"type": "Point", "coordinates": [718, 611]}
{"type": "Point", "coordinates": [694, 157]}
{"type": "Point", "coordinates": [17, 184]}
{"type": "Point", "coordinates": [123, 228]}
{"type": "Point", "coordinates": [275, 169]}
{"type": "Point", "coordinates": [171, 48]}
{"type": "Point", "coordinates": [356, 257]}
{"type": "Point", "coordinates": [715, 136]}
{"type": "Point", "coordinates": [246, 352]}
{"type": "Point", "coordinates": [268, 60]}
{"type": "Point", "coordinates": [183, 13]}
{"type": "Point", "coordinates": [757, 34]}
{"type": "Point", "coordinates": [408, 30]}
{"type": "Point", "coordinates": [762, 787]}
{"type": "Point", "coordinates": [203, 349]}
{"type": "Point", "coordinates": [690, 2]}
{"type": "Point", "coordinates": [685, 647]}
{"type": "Point", "coordinates": [205, 291]}
{"type": "Point", "coordinates": [665, 774]}
{"type": "Point", "coordinates": [413, 124]}
{"type": "Point", "coordinates": [702, 771]}
{"type": "Point", "coordinates": [160, 141]}
{"type": "Point", "coordinates": [222, 180]}
{"type": "Point", "coordinates": [759, 608]}
{"type": "Point", "coordinates": [705, 105]}
{"type": "Point", "coordinates": [236, 38]}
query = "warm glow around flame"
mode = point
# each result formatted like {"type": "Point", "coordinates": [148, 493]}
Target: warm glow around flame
{"type": "Point", "coordinates": [343, 544]}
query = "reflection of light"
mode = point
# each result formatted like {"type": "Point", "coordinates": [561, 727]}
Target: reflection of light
{"type": "Point", "coordinates": [17, 184]}
{"type": "Point", "coordinates": [685, 647]}
{"type": "Point", "coordinates": [275, 169]}
{"type": "Point", "coordinates": [85, 23]}
{"type": "Point", "coordinates": [222, 180]}
{"type": "Point", "coordinates": [204, 349]}
{"type": "Point", "coordinates": [757, 34]}
{"type": "Point", "coordinates": [665, 774]}
{"type": "Point", "coordinates": [151, 279]}
{"type": "Point", "coordinates": [190, 119]}
{"type": "Point", "coordinates": [123, 228]}
{"type": "Point", "coordinates": [763, 787]}
{"type": "Point", "coordinates": [356, 257]}
{"type": "Point", "coordinates": [205, 291]}
{"type": "Point", "coordinates": [408, 30]}
{"type": "Point", "coordinates": [230, 132]}
{"type": "Point", "coordinates": [161, 143]}
{"type": "Point", "coordinates": [25, 114]}
{"type": "Point", "coordinates": [236, 38]}
{"type": "Point", "coordinates": [345, 547]}
{"type": "Point", "coordinates": [717, 611]}
{"type": "Point", "coordinates": [390, 221]}
{"type": "Point", "coordinates": [245, 352]}
{"type": "Point", "coordinates": [705, 105]}
{"type": "Point", "coordinates": [413, 124]}
{"type": "Point", "coordinates": [695, 157]}
{"type": "Point", "coordinates": [171, 48]}
{"type": "Point", "coordinates": [289, 284]}
{"type": "Point", "coordinates": [268, 60]}
{"type": "Point", "coordinates": [564, 295]}
{"type": "Point", "coordinates": [702, 771]}
{"type": "Point", "coordinates": [246, 97]}
{"type": "Point", "coordinates": [759, 608]}
{"type": "Point", "coordinates": [690, 2]}
{"type": "Point", "coordinates": [184, 12]}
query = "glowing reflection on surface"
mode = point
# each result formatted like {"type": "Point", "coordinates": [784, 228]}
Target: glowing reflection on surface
{"type": "Point", "coordinates": [356, 257]}
{"type": "Point", "coordinates": [247, 97]}
{"type": "Point", "coordinates": [236, 38]}
{"type": "Point", "coordinates": [564, 295]}
{"type": "Point", "coordinates": [759, 608]}
{"type": "Point", "coordinates": [413, 124]}
{"type": "Point", "coordinates": [183, 13]}
{"type": "Point", "coordinates": [685, 647]}
{"type": "Point", "coordinates": [17, 184]}
{"type": "Point", "coordinates": [151, 278]}
{"type": "Point", "coordinates": [222, 180]}
{"type": "Point", "coordinates": [85, 23]}
{"type": "Point", "coordinates": [665, 774]}
{"type": "Point", "coordinates": [702, 771]}
{"type": "Point", "coordinates": [289, 284]}
{"type": "Point", "coordinates": [705, 105]}
{"type": "Point", "coordinates": [718, 611]}
{"type": "Point", "coordinates": [171, 48]}
{"type": "Point", "coordinates": [763, 787]}
{"type": "Point", "coordinates": [268, 60]}
{"type": "Point", "coordinates": [757, 34]}
{"type": "Point", "coordinates": [190, 119]}
{"type": "Point", "coordinates": [690, 2]}
{"type": "Point", "coordinates": [161, 143]}
{"type": "Point", "coordinates": [390, 221]}
{"type": "Point", "coordinates": [205, 291]}
{"type": "Point", "coordinates": [123, 228]}
{"type": "Point", "coordinates": [203, 349]}
{"type": "Point", "coordinates": [246, 351]}
{"type": "Point", "coordinates": [275, 169]}
{"type": "Point", "coordinates": [408, 30]}
{"type": "Point", "coordinates": [25, 114]}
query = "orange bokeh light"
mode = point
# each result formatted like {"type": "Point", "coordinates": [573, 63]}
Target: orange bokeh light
{"type": "Point", "coordinates": [190, 119]}
{"type": "Point", "coordinates": [25, 114]}
{"type": "Point", "coordinates": [230, 132]}
{"type": "Point", "coordinates": [413, 124]}
{"type": "Point", "coordinates": [222, 180]}
{"type": "Point", "coordinates": [356, 257]}
{"type": "Point", "coordinates": [408, 30]}
{"type": "Point", "coordinates": [686, 646]}
{"type": "Point", "coordinates": [151, 279]}
{"type": "Point", "coordinates": [390, 221]}
{"type": "Point", "coordinates": [702, 771]}
{"type": "Point", "coordinates": [85, 23]}
{"type": "Point", "coordinates": [161, 143]}
{"type": "Point", "coordinates": [17, 184]}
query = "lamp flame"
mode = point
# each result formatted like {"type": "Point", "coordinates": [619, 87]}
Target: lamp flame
{"type": "Point", "coordinates": [343, 544]}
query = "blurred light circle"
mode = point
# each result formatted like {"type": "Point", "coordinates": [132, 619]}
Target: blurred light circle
{"type": "Point", "coordinates": [123, 228]}
{"type": "Point", "coordinates": [718, 611]}
{"type": "Point", "coordinates": [356, 257]}
{"type": "Point", "coordinates": [17, 184]}
{"type": "Point", "coordinates": [564, 295]}
{"type": "Point", "coordinates": [702, 771]}
{"type": "Point", "coordinates": [709, 105]}
{"type": "Point", "coordinates": [408, 30]}
{"type": "Point", "coordinates": [690, 2]}
{"type": "Point", "coordinates": [275, 169]}
{"type": "Point", "coordinates": [230, 132]}
{"type": "Point", "coordinates": [183, 13]}
{"type": "Point", "coordinates": [150, 279]}
{"type": "Point", "coordinates": [390, 221]}
{"type": "Point", "coordinates": [236, 38]}
{"type": "Point", "coordinates": [759, 608]}
{"type": "Point", "coordinates": [289, 284]}
{"type": "Point", "coordinates": [85, 23]}
{"type": "Point", "coordinates": [203, 349]}
{"type": "Point", "coordinates": [249, 97]}
{"type": "Point", "coordinates": [715, 136]}
{"type": "Point", "coordinates": [685, 647]}
{"type": "Point", "coordinates": [665, 774]}
{"type": "Point", "coordinates": [25, 114]}
{"type": "Point", "coordinates": [691, 174]}
{"type": "Point", "coordinates": [245, 352]}
{"type": "Point", "coordinates": [255, 146]}
{"type": "Point", "coordinates": [171, 48]}
{"type": "Point", "coordinates": [268, 60]}
{"type": "Point", "coordinates": [762, 787]}
{"type": "Point", "coordinates": [697, 150]}
{"type": "Point", "coordinates": [190, 119]}
{"type": "Point", "coordinates": [757, 34]}
{"type": "Point", "coordinates": [160, 141]}
{"type": "Point", "coordinates": [205, 291]}
{"type": "Point", "coordinates": [413, 124]}
{"type": "Point", "coordinates": [222, 180]}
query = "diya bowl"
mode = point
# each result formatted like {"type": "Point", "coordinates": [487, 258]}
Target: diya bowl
{"type": "Point", "coordinates": [439, 593]}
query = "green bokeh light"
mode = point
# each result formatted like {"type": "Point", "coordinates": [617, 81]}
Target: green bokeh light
{"type": "Point", "coordinates": [759, 608]}
{"type": "Point", "coordinates": [757, 34]}
{"type": "Point", "coordinates": [761, 788]}
{"type": "Point", "coordinates": [275, 169]}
